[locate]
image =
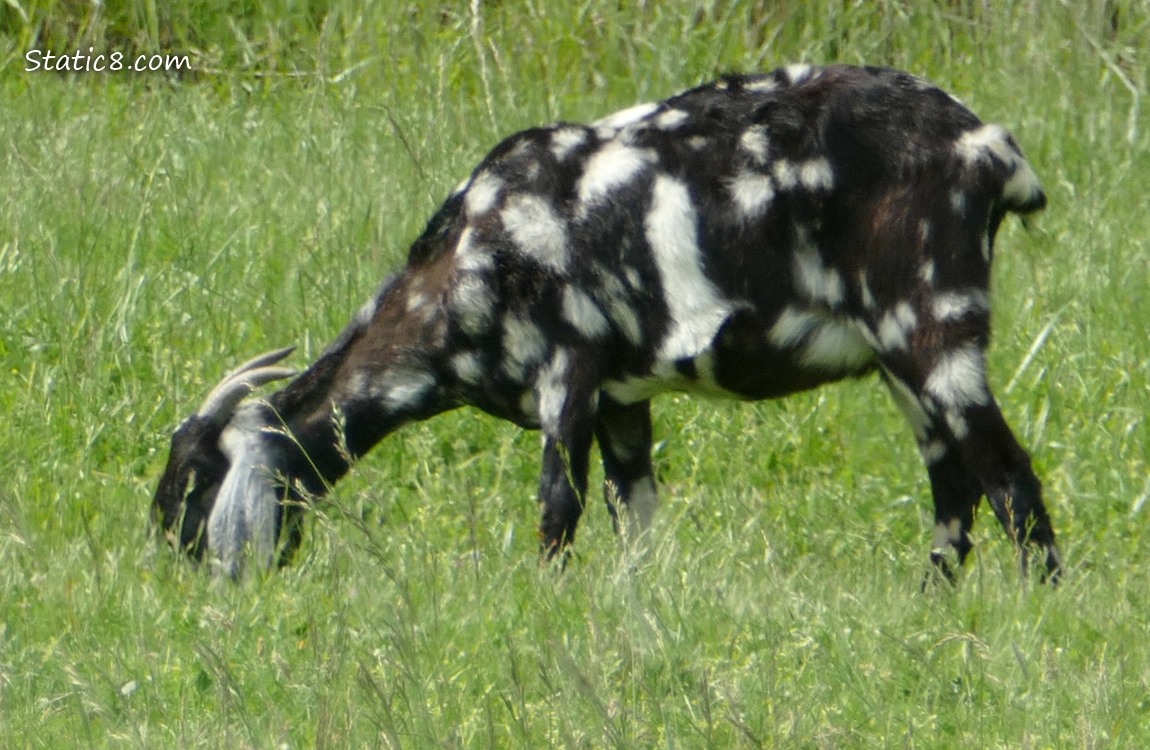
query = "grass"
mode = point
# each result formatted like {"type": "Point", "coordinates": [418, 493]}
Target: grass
{"type": "Point", "coordinates": [155, 230]}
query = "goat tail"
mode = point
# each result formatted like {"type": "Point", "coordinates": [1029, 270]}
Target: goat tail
{"type": "Point", "coordinates": [1022, 193]}
{"type": "Point", "coordinates": [990, 148]}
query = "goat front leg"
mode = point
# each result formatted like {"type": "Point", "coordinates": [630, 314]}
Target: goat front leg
{"type": "Point", "coordinates": [956, 495]}
{"type": "Point", "coordinates": [624, 434]}
{"type": "Point", "coordinates": [955, 491]}
{"type": "Point", "coordinates": [567, 402]}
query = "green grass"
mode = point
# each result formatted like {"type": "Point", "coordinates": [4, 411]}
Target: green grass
{"type": "Point", "coordinates": [154, 231]}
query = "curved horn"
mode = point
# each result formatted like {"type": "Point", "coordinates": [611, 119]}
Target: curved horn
{"type": "Point", "coordinates": [238, 383]}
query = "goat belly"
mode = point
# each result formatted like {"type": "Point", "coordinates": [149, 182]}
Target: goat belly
{"type": "Point", "coordinates": [799, 350]}
{"type": "Point", "coordinates": [755, 358]}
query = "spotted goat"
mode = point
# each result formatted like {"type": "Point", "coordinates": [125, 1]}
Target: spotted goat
{"type": "Point", "coordinates": [753, 237]}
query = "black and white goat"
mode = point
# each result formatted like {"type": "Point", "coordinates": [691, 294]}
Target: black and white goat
{"type": "Point", "coordinates": [754, 237]}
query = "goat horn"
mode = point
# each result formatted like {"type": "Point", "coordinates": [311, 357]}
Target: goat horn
{"type": "Point", "coordinates": [238, 383]}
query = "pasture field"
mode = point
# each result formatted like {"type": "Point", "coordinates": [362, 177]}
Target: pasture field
{"type": "Point", "coordinates": [156, 229]}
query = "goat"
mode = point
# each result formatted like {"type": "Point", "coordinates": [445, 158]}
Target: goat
{"type": "Point", "coordinates": [753, 237]}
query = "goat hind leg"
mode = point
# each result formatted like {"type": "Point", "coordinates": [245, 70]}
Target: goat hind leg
{"type": "Point", "coordinates": [970, 451]}
{"type": "Point", "coordinates": [1002, 467]}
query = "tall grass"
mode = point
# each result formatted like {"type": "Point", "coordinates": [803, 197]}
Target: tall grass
{"type": "Point", "coordinates": [155, 230]}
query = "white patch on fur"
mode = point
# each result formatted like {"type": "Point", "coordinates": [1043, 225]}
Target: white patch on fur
{"type": "Point", "coordinates": [786, 175]}
{"type": "Point", "coordinates": [625, 117]}
{"type": "Point", "coordinates": [924, 231]}
{"type": "Point", "coordinates": [524, 159]}
{"type": "Point", "coordinates": [671, 119]}
{"type": "Point", "coordinates": [468, 367]}
{"type": "Point", "coordinates": [359, 383]}
{"type": "Point", "coordinates": [817, 281]}
{"type": "Point", "coordinates": [986, 141]}
{"type": "Point", "coordinates": [957, 424]}
{"type": "Point", "coordinates": [956, 305]}
{"type": "Point", "coordinates": [958, 379]}
{"type": "Point", "coordinates": [566, 140]}
{"type": "Point", "coordinates": [626, 320]}
{"type": "Point", "coordinates": [755, 142]}
{"type": "Point", "coordinates": [836, 346]}
{"type": "Point", "coordinates": [632, 389]}
{"type": "Point", "coordinates": [813, 174]}
{"type": "Point", "coordinates": [465, 245]}
{"type": "Point", "coordinates": [537, 230]}
{"type": "Point", "coordinates": [958, 201]}
{"type": "Point", "coordinates": [366, 312]}
{"type": "Point", "coordinates": [530, 170]}
{"type": "Point", "coordinates": [634, 280]}
{"type": "Point", "coordinates": [529, 406]}
{"type": "Point", "coordinates": [763, 85]}
{"type": "Point", "coordinates": [895, 327]}
{"type": "Point", "coordinates": [910, 405]}
{"type": "Point", "coordinates": [581, 312]}
{"type": "Point", "coordinates": [416, 301]}
{"type": "Point", "coordinates": [798, 73]}
{"type": "Point", "coordinates": [926, 272]}
{"type": "Point", "coordinates": [551, 390]}
{"type": "Point", "coordinates": [474, 262]}
{"type": "Point", "coordinates": [438, 329]}
{"type": "Point", "coordinates": [473, 301]}
{"type": "Point", "coordinates": [611, 282]}
{"type": "Point", "coordinates": [695, 306]}
{"type": "Point", "coordinates": [462, 186]}
{"type": "Point", "coordinates": [483, 194]}
{"type": "Point", "coordinates": [932, 451]}
{"type": "Point", "coordinates": [243, 520]}
{"type": "Point", "coordinates": [947, 534]}
{"type": "Point", "coordinates": [867, 296]}
{"type": "Point", "coordinates": [792, 326]}
{"type": "Point", "coordinates": [524, 346]}
{"type": "Point", "coordinates": [752, 193]}
{"type": "Point", "coordinates": [615, 299]}
{"type": "Point", "coordinates": [610, 168]}
{"type": "Point", "coordinates": [665, 377]}
{"type": "Point", "coordinates": [401, 388]}
{"type": "Point", "coordinates": [1022, 186]}
{"type": "Point", "coordinates": [471, 257]}
{"type": "Point", "coordinates": [866, 333]}
{"type": "Point", "coordinates": [816, 175]}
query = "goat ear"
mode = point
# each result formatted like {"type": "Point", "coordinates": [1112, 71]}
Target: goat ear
{"type": "Point", "coordinates": [237, 384]}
